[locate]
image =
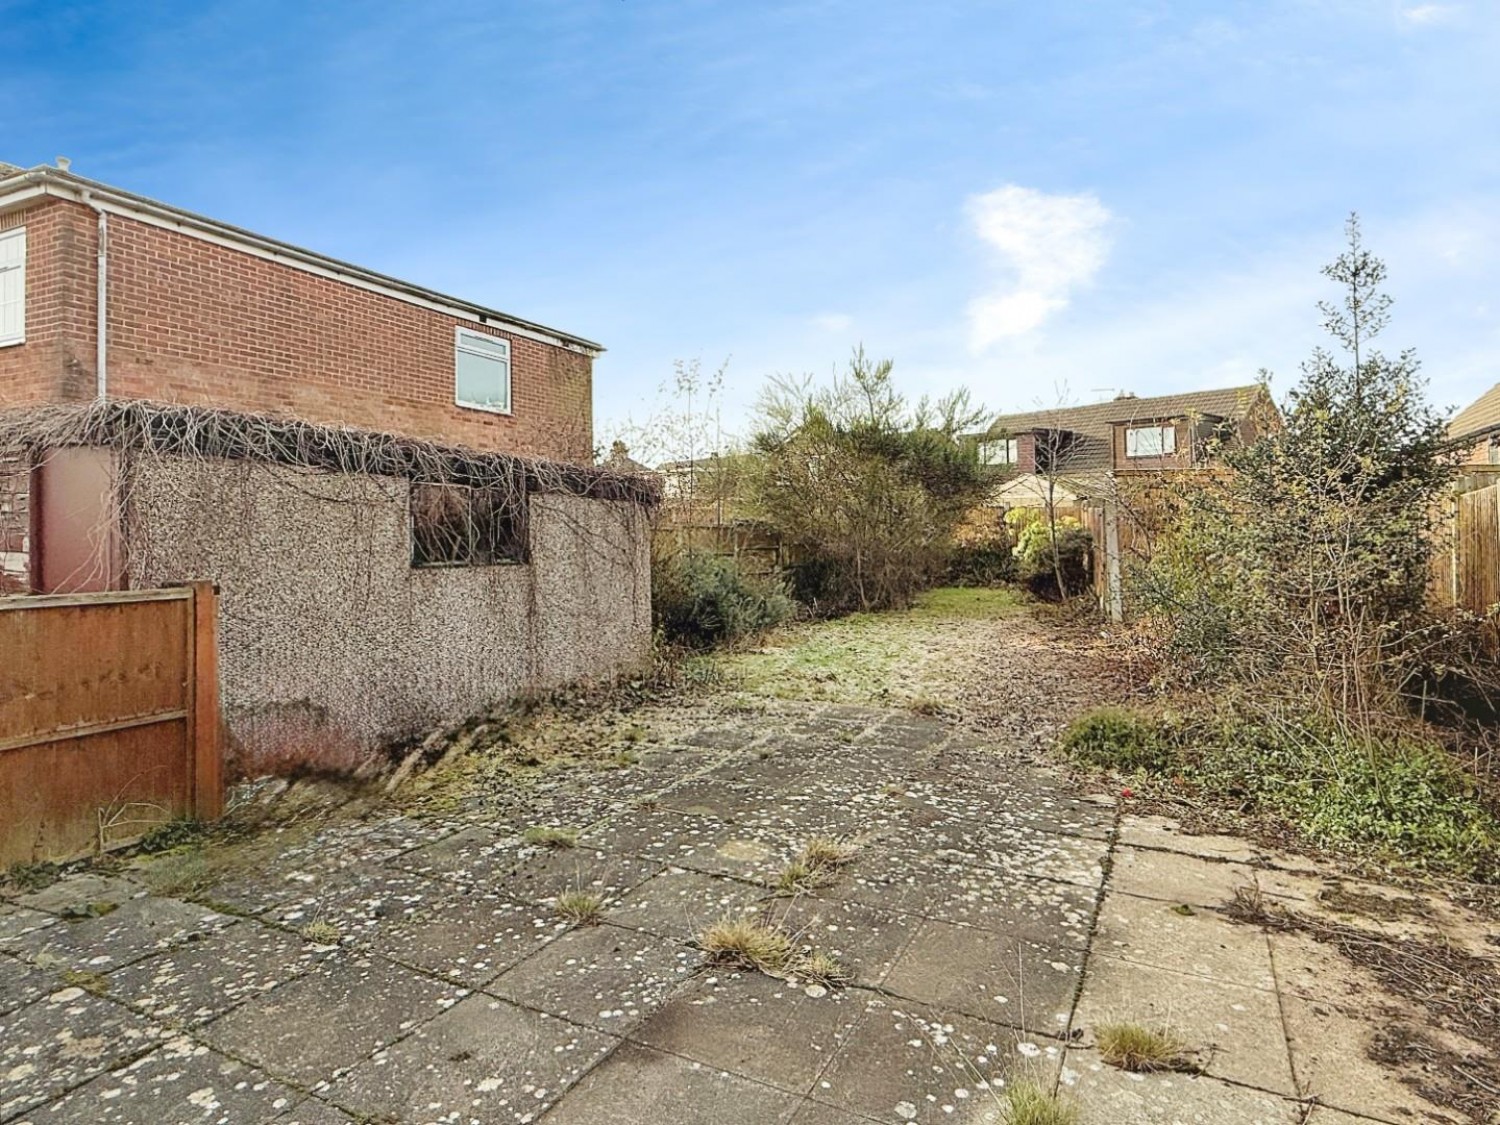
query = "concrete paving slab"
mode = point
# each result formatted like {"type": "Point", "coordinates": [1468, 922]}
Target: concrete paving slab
{"type": "Point", "coordinates": [550, 872]}
{"type": "Point", "coordinates": [755, 1026]}
{"type": "Point", "coordinates": [1014, 849]}
{"type": "Point", "coordinates": [639, 1086]}
{"type": "Point", "coordinates": [1330, 1059]}
{"type": "Point", "coordinates": [361, 902]}
{"type": "Point", "coordinates": [1236, 1031]}
{"type": "Point", "coordinates": [820, 1113]}
{"type": "Point", "coordinates": [680, 904]}
{"type": "Point", "coordinates": [312, 1111]}
{"type": "Point", "coordinates": [21, 983]}
{"type": "Point", "coordinates": [182, 1082]}
{"type": "Point", "coordinates": [911, 1062]}
{"type": "Point", "coordinates": [1106, 1094]}
{"type": "Point", "coordinates": [136, 928]}
{"type": "Point", "coordinates": [995, 977]}
{"type": "Point", "coordinates": [603, 976]}
{"type": "Point", "coordinates": [1174, 877]}
{"type": "Point", "coordinates": [475, 856]}
{"type": "Point", "coordinates": [18, 924]}
{"type": "Point", "coordinates": [866, 941]}
{"type": "Point", "coordinates": [81, 894]}
{"type": "Point", "coordinates": [469, 936]}
{"type": "Point", "coordinates": [331, 1018]}
{"type": "Point", "coordinates": [1165, 834]}
{"type": "Point", "coordinates": [655, 833]}
{"type": "Point", "coordinates": [482, 1060]}
{"type": "Point", "coordinates": [1184, 939]}
{"type": "Point", "coordinates": [63, 1040]}
{"type": "Point", "coordinates": [203, 979]}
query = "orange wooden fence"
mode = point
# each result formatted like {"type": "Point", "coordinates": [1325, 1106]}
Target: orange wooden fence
{"type": "Point", "coordinates": [109, 718]}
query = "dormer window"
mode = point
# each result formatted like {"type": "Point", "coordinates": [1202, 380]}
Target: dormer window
{"type": "Point", "coordinates": [1156, 440]}
{"type": "Point", "coordinates": [1003, 451]}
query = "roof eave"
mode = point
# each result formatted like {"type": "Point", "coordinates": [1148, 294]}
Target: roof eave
{"type": "Point", "coordinates": [21, 188]}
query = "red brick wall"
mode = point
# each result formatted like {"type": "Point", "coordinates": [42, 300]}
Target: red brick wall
{"type": "Point", "coordinates": [56, 363]}
{"type": "Point", "coordinates": [192, 322]}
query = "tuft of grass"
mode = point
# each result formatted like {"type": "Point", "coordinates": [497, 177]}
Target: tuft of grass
{"type": "Point", "coordinates": [97, 983]}
{"type": "Point", "coordinates": [580, 908]}
{"type": "Point", "coordinates": [748, 944]}
{"type": "Point", "coordinates": [1026, 1103]}
{"type": "Point", "coordinates": [927, 705]}
{"type": "Point", "coordinates": [320, 933]}
{"type": "Point", "coordinates": [546, 836]}
{"type": "Point", "coordinates": [822, 968]}
{"type": "Point", "coordinates": [825, 853]}
{"type": "Point", "coordinates": [1133, 1047]}
{"type": "Point", "coordinates": [1247, 903]}
{"type": "Point", "coordinates": [797, 877]}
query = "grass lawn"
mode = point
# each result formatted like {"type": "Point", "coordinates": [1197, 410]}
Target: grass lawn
{"type": "Point", "coordinates": [893, 658]}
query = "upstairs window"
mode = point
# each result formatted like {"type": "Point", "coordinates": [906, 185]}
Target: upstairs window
{"type": "Point", "coordinates": [456, 526]}
{"type": "Point", "coordinates": [1004, 451]}
{"type": "Point", "coordinates": [481, 367]}
{"type": "Point", "coordinates": [13, 287]}
{"type": "Point", "coordinates": [1150, 441]}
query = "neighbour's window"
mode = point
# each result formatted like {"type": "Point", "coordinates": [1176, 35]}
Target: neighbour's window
{"type": "Point", "coordinates": [1494, 457]}
{"type": "Point", "coordinates": [13, 287]}
{"type": "Point", "coordinates": [456, 526]}
{"type": "Point", "coordinates": [1004, 451]}
{"type": "Point", "coordinates": [481, 371]}
{"type": "Point", "coordinates": [1150, 441]}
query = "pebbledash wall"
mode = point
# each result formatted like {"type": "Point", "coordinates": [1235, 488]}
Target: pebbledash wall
{"type": "Point", "coordinates": [333, 645]}
{"type": "Point", "coordinates": [195, 322]}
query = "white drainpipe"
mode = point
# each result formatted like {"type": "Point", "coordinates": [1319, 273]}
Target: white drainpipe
{"type": "Point", "coordinates": [101, 331]}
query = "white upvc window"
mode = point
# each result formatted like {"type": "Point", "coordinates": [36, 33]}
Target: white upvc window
{"type": "Point", "coordinates": [481, 371]}
{"type": "Point", "coordinates": [1150, 441]}
{"type": "Point", "coordinates": [13, 287]}
{"type": "Point", "coordinates": [1004, 451]}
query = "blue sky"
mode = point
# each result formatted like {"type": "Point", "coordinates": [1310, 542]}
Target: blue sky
{"type": "Point", "coordinates": [1038, 201]}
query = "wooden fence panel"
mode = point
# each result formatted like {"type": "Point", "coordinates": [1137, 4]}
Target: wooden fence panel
{"type": "Point", "coordinates": [1476, 550]}
{"type": "Point", "coordinates": [109, 718]}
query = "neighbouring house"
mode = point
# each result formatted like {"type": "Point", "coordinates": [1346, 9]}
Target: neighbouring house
{"type": "Point", "coordinates": [1075, 454]}
{"type": "Point", "coordinates": [390, 486]}
{"type": "Point", "coordinates": [1476, 431]}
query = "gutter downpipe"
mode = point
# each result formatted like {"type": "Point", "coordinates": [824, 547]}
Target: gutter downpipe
{"type": "Point", "coordinates": [101, 330]}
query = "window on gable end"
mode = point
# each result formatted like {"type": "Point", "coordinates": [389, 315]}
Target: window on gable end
{"type": "Point", "coordinates": [481, 371]}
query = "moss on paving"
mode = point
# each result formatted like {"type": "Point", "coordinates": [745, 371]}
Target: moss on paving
{"type": "Point", "coordinates": [865, 657]}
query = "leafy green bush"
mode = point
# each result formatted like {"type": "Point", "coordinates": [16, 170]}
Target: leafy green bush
{"type": "Point", "coordinates": [702, 599]}
{"type": "Point", "coordinates": [982, 564]}
{"type": "Point", "coordinates": [1116, 739]}
{"type": "Point", "coordinates": [1403, 797]}
{"type": "Point", "coordinates": [1040, 559]}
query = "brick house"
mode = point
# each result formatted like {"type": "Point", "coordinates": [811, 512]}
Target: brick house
{"type": "Point", "coordinates": [1476, 431]}
{"type": "Point", "coordinates": [392, 488]}
{"type": "Point", "coordinates": [1085, 451]}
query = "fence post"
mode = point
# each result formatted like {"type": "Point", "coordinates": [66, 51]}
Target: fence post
{"type": "Point", "coordinates": [1112, 583]}
{"type": "Point", "coordinates": [208, 751]}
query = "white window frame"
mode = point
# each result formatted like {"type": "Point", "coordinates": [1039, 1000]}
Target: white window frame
{"type": "Point", "coordinates": [1011, 448]}
{"type": "Point", "coordinates": [460, 336]}
{"type": "Point", "coordinates": [1166, 441]}
{"type": "Point", "coordinates": [18, 269]}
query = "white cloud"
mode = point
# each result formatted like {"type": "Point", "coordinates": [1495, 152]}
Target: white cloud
{"type": "Point", "coordinates": [1427, 14]}
{"type": "Point", "coordinates": [833, 322]}
{"type": "Point", "coordinates": [1050, 245]}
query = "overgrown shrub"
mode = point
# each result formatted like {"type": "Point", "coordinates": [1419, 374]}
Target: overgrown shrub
{"type": "Point", "coordinates": [1391, 791]}
{"type": "Point", "coordinates": [1113, 738]}
{"type": "Point", "coordinates": [701, 599]}
{"type": "Point", "coordinates": [865, 486]}
{"type": "Point", "coordinates": [1047, 548]}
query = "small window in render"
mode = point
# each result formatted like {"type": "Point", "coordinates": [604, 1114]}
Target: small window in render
{"type": "Point", "coordinates": [1004, 451]}
{"type": "Point", "coordinates": [1494, 451]}
{"type": "Point", "coordinates": [1150, 441]}
{"type": "Point", "coordinates": [481, 371]}
{"type": "Point", "coordinates": [456, 526]}
{"type": "Point", "coordinates": [13, 286]}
